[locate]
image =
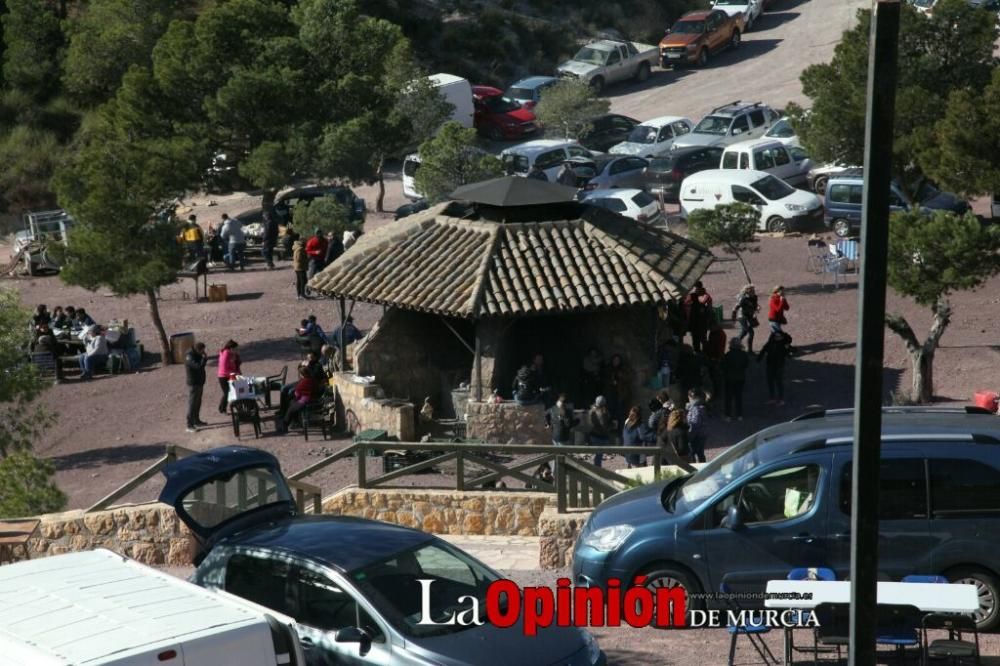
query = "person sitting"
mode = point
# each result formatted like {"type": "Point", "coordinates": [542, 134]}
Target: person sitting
{"type": "Point", "coordinates": [351, 333]}
{"type": "Point", "coordinates": [70, 316]}
{"type": "Point", "coordinates": [303, 393]}
{"type": "Point", "coordinates": [59, 318]}
{"type": "Point", "coordinates": [526, 390]}
{"type": "Point", "coordinates": [329, 358]}
{"type": "Point", "coordinates": [83, 320]}
{"type": "Point", "coordinates": [312, 328]}
{"type": "Point", "coordinates": [46, 343]}
{"type": "Point", "coordinates": [313, 369]}
{"type": "Point", "coordinates": [41, 316]}
{"type": "Point", "coordinates": [95, 355]}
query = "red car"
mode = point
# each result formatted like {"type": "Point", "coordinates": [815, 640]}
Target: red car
{"type": "Point", "coordinates": [501, 118]}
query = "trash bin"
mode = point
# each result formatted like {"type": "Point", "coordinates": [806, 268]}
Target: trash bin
{"type": "Point", "coordinates": [988, 400]}
{"type": "Point", "coordinates": [719, 313]}
{"type": "Point", "coordinates": [180, 345]}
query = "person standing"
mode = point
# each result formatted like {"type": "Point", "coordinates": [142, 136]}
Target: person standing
{"type": "Point", "coordinates": [777, 307]}
{"type": "Point", "coordinates": [698, 313]}
{"type": "Point", "coordinates": [601, 426]}
{"type": "Point", "coordinates": [269, 240]}
{"type": "Point", "coordinates": [229, 366]}
{"type": "Point", "coordinates": [745, 314]}
{"type": "Point", "coordinates": [560, 420]}
{"type": "Point", "coordinates": [316, 249]}
{"type": "Point", "coordinates": [334, 249]}
{"type": "Point", "coordinates": [300, 263]}
{"type": "Point", "coordinates": [632, 435]}
{"type": "Point", "coordinates": [193, 239]}
{"type": "Point", "coordinates": [194, 367]}
{"type": "Point", "coordinates": [232, 233]}
{"type": "Point", "coordinates": [775, 351]}
{"type": "Point", "coordinates": [566, 175]}
{"type": "Point", "coordinates": [697, 426]}
{"type": "Point", "coordinates": [734, 373]}
{"type": "Point", "coordinates": [672, 436]}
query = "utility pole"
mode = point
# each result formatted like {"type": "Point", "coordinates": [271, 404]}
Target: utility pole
{"type": "Point", "coordinates": [882, 62]}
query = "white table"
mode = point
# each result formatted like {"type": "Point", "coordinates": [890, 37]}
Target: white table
{"type": "Point", "coordinates": [928, 597]}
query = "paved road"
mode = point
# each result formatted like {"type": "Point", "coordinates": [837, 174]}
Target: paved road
{"type": "Point", "coordinates": [790, 36]}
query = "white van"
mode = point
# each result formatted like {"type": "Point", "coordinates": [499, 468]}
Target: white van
{"type": "Point", "coordinates": [549, 154]}
{"type": "Point", "coordinates": [789, 163]}
{"type": "Point", "coordinates": [99, 608]}
{"type": "Point", "coordinates": [781, 206]}
{"type": "Point", "coordinates": [457, 92]}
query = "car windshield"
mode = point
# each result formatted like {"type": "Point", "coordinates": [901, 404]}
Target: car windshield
{"type": "Point", "coordinates": [714, 476]}
{"type": "Point", "coordinates": [689, 27]}
{"type": "Point", "coordinates": [519, 93]}
{"type": "Point", "coordinates": [712, 125]}
{"type": "Point", "coordinates": [772, 188]}
{"type": "Point", "coordinates": [643, 134]}
{"type": "Point", "coordinates": [500, 104]}
{"type": "Point", "coordinates": [642, 199]}
{"type": "Point", "coordinates": [924, 3]}
{"type": "Point", "coordinates": [591, 56]}
{"type": "Point", "coordinates": [394, 587]}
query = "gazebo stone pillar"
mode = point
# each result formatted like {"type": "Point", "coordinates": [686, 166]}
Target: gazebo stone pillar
{"type": "Point", "coordinates": [489, 333]}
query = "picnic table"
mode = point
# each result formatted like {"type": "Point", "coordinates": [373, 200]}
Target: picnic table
{"type": "Point", "coordinates": [14, 533]}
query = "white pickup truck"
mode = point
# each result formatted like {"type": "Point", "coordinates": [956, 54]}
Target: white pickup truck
{"type": "Point", "coordinates": [607, 61]}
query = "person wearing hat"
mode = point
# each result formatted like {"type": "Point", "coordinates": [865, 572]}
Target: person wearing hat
{"type": "Point", "coordinates": [734, 374]}
{"type": "Point", "coordinates": [316, 248]}
{"type": "Point", "coordinates": [194, 368]}
{"type": "Point", "coordinates": [95, 354]}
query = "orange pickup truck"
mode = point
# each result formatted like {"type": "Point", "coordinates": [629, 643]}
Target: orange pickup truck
{"type": "Point", "coordinates": [699, 34]}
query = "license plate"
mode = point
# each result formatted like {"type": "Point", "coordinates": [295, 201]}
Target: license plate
{"type": "Point", "coordinates": [674, 56]}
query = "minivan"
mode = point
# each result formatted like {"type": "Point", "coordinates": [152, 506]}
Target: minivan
{"type": "Point", "coordinates": [844, 201]}
{"type": "Point", "coordinates": [789, 163]}
{"type": "Point", "coordinates": [781, 206]}
{"type": "Point", "coordinates": [548, 154]}
{"type": "Point", "coordinates": [664, 175]}
{"type": "Point", "coordinates": [781, 499]}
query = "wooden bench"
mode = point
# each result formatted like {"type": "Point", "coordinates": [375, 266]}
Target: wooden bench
{"type": "Point", "coordinates": [14, 533]}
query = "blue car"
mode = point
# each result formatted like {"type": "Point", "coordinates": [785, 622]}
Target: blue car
{"type": "Point", "coordinates": [351, 584]}
{"type": "Point", "coordinates": [781, 499]}
{"type": "Point", "coordinates": [529, 91]}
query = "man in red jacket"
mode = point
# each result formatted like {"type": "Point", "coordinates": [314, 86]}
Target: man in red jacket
{"type": "Point", "coordinates": [316, 250]}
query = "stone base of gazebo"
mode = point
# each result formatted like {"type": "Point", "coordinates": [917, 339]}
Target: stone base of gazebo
{"type": "Point", "coordinates": [506, 422]}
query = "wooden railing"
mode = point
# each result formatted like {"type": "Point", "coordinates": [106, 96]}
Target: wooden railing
{"type": "Point", "coordinates": [576, 483]}
{"type": "Point", "coordinates": [250, 487]}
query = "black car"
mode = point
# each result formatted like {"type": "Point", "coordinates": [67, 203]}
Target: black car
{"type": "Point", "coordinates": [410, 208]}
{"type": "Point", "coordinates": [352, 585]}
{"type": "Point", "coordinates": [664, 175]}
{"type": "Point", "coordinates": [284, 205]}
{"type": "Point", "coordinates": [606, 131]}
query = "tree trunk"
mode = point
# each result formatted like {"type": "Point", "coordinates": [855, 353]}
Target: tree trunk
{"type": "Point", "coordinates": [380, 198]}
{"type": "Point", "coordinates": [922, 355]}
{"type": "Point", "coordinates": [743, 264]}
{"type": "Point", "coordinates": [161, 333]}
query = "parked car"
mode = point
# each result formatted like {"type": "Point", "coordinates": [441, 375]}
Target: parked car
{"type": "Point", "coordinates": [636, 204]}
{"type": "Point", "coordinates": [746, 10]}
{"type": "Point", "coordinates": [653, 138]}
{"type": "Point", "coordinates": [818, 176]}
{"type": "Point", "coordinates": [784, 132]}
{"type": "Point", "coordinates": [606, 61]}
{"type": "Point", "coordinates": [529, 91]}
{"type": "Point", "coordinates": [789, 163]}
{"type": "Point", "coordinates": [925, 7]}
{"type": "Point", "coordinates": [42, 228]}
{"type": "Point", "coordinates": [611, 171]}
{"type": "Point", "coordinates": [410, 208]}
{"type": "Point", "coordinates": [844, 197]}
{"type": "Point", "coordinates": [499, 117]}
{"type": "Point", "coordinates": [663, 177]}
{"type": "Point", "coordinates": [458, 92]}
{"type": "Point", "coordinates": [741, 518]}
{"type": "Point", "coordinates": [101, 609]}
{"type": "Point", "coordinates": [352, 585]}
{"type": "Point", "coordinates": [549, 154]}
{"type": "Point", "coordinates": [698, 35]}
{"type": "Point", "coordinates": [781, 206]}
{"type": "Point", "coordinates": [285, 203]}
{"type": "Point", "coordinates": [729, 123]}
{"type": "Point", "coordinates": [410, 165]}
{"type": "Point", "coordinates": [606, 131]}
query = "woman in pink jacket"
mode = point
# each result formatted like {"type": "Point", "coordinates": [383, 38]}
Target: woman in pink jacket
{"type": "Point", "coordinates": [229, 365]}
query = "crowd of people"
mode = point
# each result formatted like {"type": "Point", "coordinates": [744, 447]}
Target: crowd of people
{"type": "Point", "coordinates": [70, 330]}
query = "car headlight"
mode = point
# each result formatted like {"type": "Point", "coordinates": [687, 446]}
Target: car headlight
{"type": "Point", "coordinates": [795, 208]}
{"type": "Point", "coordinates": [593, 651]}
{"type": "Point", "coordinates": [608, 539]}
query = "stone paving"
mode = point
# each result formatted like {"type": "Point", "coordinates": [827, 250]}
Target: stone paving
{"type": "Point", "coordinates": [504, 553]}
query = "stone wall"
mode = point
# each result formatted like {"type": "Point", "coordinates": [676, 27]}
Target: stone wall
{"type": "Point", "coordinates": [445, 511]}
{"type": "Point", "coordinates": [150, 533]}
{"type": "Point", "coordinates": [558, 533]}
{"type": "Point", "coordinates": [367, 408]}
{"type": "Point", "coordinates": [507, 422]}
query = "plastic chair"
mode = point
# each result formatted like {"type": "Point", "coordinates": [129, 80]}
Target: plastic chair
{"type": "Point", "coordinates": [315, 412]}
{"type": "Point", "coordinates": [245, 411]}
{"type": "Point", "coordinates": [274, 383]}
{"type": "Point", "coordinates": [952, 648]}
{"type": "Point", "coordinates": [850, 252]}
{"type": "Point", "coordinates": [805, 573]}
{"type": "Point", "coordinates": [919, 578]}
{"type": "Point", "coordinates": [898, 625]}
{"type": "Point", "coordinates": [833, 630]}
{"type": "Point", "coordinates": [816, 254]}
{"type": "Point", "coordinates": [751, 630]}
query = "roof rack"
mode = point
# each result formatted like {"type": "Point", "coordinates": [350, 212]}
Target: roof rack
{"type": "Point", "coordinates": [968, 409]}
{"type": "Point", "coordinates": [725, 105]}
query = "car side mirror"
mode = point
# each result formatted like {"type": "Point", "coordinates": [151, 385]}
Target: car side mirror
{"type": "Point", "coordinates": [350, 635]}
{"type": "Point", "coordinates": [732, 521]}
{"type": "Point", "coordinates": [737, 131]}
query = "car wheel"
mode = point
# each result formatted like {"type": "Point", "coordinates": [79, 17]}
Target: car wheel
{"type": "Point", "coordinates": [842, 228]}
{"type": "Point", "coordinates": [703, 57]}
{"type": "Point", "coordinates": [495, 134]}
{"type": "Point", "coordinates": [777, 224]}
{"type": "Point", "coordinates": [987, 588]}
{"type": "Point", "coordinates": [597, 84]}
{"type": "Point", "coordinates": [643, 73]}
{"type": "Point", "coordinates": [663, 575]}
{"type": "Point", "coordinates": [819, 185]}
{"type": "Point", "coordinates": [734, 42]}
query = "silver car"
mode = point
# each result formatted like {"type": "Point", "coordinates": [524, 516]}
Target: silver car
{"type": "Point", "coordinates": [611, 171]}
